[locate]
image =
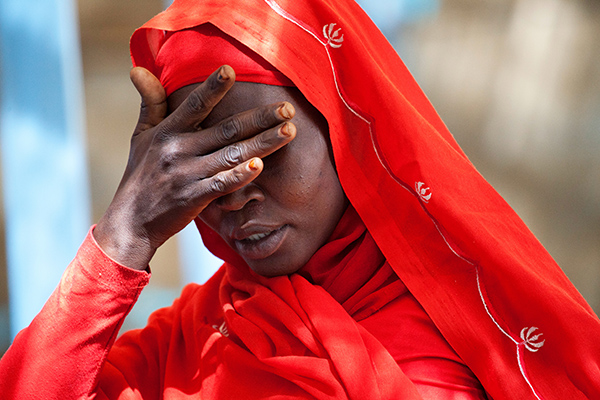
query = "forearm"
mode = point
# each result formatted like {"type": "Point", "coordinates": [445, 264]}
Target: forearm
{"type": "Point", "coordinates": [61, 353]}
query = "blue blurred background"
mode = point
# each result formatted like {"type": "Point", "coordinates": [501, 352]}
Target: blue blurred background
{"type": "Point", "coordinates": [516, 81]}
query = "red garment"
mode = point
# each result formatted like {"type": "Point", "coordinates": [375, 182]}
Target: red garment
{"type": "Point", "coordinates": [60, 354]}
{"type": "Point", "coordinates": [199, 51]}
{"type": "Point", "coordinates": [489, 286]}
{"type": "Point", "coordinates": [192, 348]}
{"type": "Point", "coordinates": [359, 290]}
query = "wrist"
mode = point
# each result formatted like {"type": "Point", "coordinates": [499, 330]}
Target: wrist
{"type": "Point", "coordinates": [121, 245]}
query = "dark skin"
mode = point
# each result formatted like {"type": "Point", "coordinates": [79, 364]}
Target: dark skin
{"type": "Point", "coordinates": [220, 150]}
{"type": "Point", "coordinates": [280, 219]}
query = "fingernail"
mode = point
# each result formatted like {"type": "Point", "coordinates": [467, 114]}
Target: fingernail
{"type": "Point", "coordinates": [252, 165]}
{"type": "Point", "coordinates": [286, 110]}
{"type": "Point", "coordinates": [223, 75]}
{"type": "Point", "coordinates": [286, 130]}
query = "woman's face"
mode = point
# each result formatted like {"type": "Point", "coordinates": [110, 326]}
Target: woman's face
{"type": "Point", "coordinates": [277, 222]}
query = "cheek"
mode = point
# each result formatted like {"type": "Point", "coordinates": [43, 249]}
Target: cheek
{"type": "Point", "coordinates": [300, 185]}
{"type": "Point", "coordinates": [211, 216]}
{"type": "Point", "coordinates": [332, 194]}
{"type": "Point", "coordinates": [322, 195]}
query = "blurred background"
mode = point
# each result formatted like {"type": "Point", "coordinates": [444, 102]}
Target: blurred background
{"type": "Point", "coordinates": [516, 81]}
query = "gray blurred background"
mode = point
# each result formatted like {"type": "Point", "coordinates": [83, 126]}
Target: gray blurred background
{"type": "Point", "coordinates": [516, 81]}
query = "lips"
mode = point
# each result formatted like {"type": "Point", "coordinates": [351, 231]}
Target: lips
{"type": "Point", "coordinates": [256, 243]}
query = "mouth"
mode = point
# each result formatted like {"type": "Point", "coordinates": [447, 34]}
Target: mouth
{"type": "Point", "coordinates": [257, 236]}
{"type": "Point", "coordinates": [262, 244]}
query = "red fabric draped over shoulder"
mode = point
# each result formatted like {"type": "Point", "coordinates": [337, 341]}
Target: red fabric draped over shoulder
{"type": "Point", "coordinates": [489, 286]}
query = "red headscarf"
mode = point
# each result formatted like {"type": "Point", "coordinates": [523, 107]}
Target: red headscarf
{"type": "Point", "coordinates": [191, 55]}
{"type": "Point", "coordinates": [489, 286]}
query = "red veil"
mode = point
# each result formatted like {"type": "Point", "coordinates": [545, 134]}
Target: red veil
{"type": "Point", "coordinates": [489, 286]}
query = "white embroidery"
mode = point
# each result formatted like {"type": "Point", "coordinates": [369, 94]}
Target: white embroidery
{"type": "Point", "coordinates": [222, 329]}
{"type": "Point", "coordinates": [423, 192]}
{"type": "Point", "coordinates": [524, 374]}
{"type": "Point", "coordinates": [333, 35]}
{"type": "Point", "coordinates": [531, 341]}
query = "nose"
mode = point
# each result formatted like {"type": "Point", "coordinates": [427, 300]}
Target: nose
{"type": "Point", "coordinates": [237, 200]}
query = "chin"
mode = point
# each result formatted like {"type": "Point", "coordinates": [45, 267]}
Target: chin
{"type": "Point", "coordinates": [270, 269]}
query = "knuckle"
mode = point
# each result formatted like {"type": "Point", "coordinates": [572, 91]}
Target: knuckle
{"type": "Point", "coordinates": [197, 102]}
{"type": "Point", "coordinates": [169, 156]}
{"type": "Point", "coordinates": [218, 184]}
{"type": "Point", "coordinates": [233, 154]}
{"type": "Point", "coordinates": [262, 119]}
{"type": "Point", "coordinates": [224, 182]}
{"type": "Point", "coordinates": [162, 134]}
{"type": "Point", "coordinates": [231, 129]}
{"type": "Point", "coordinates": [237, 177]}
{"type": "Point", "coordinates": [262, 143]}
{"type": "Point", "coordinates": [176, 183]}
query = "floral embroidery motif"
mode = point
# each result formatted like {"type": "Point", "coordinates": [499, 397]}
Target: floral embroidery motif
{"type": "Point", "coordinates": [531, 341]}
{"type": "Point", "coordinates": [222, 329]}
{"type": "Point", "coordinates": [333, 35]}
{"type": "Point", "coordinates": [423, 192]}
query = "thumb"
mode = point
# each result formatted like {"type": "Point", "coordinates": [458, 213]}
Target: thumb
{"type": "Point", "coordinates": [154, 99]}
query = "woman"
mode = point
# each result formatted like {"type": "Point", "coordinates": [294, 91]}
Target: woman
{"type": "Point", "coordinates": [365, 256]}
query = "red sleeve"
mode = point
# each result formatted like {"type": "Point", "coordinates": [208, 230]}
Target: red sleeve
{"type": "Point", "coordinates": [60, 354]}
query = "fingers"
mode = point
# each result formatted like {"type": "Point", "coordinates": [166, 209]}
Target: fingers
{"type": "Point", "coordinates": [154, 99]}
{"type": "Point", "coordinates": [200, 102]}
{"type": "Point", "coordinates": [254, 133]}
{"type": "Point", "coordinates": [258, 146]}
{"type": "Point", "coordinates": [243, 126]}
{"type": "Point", "coordinates": [228, 181]}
